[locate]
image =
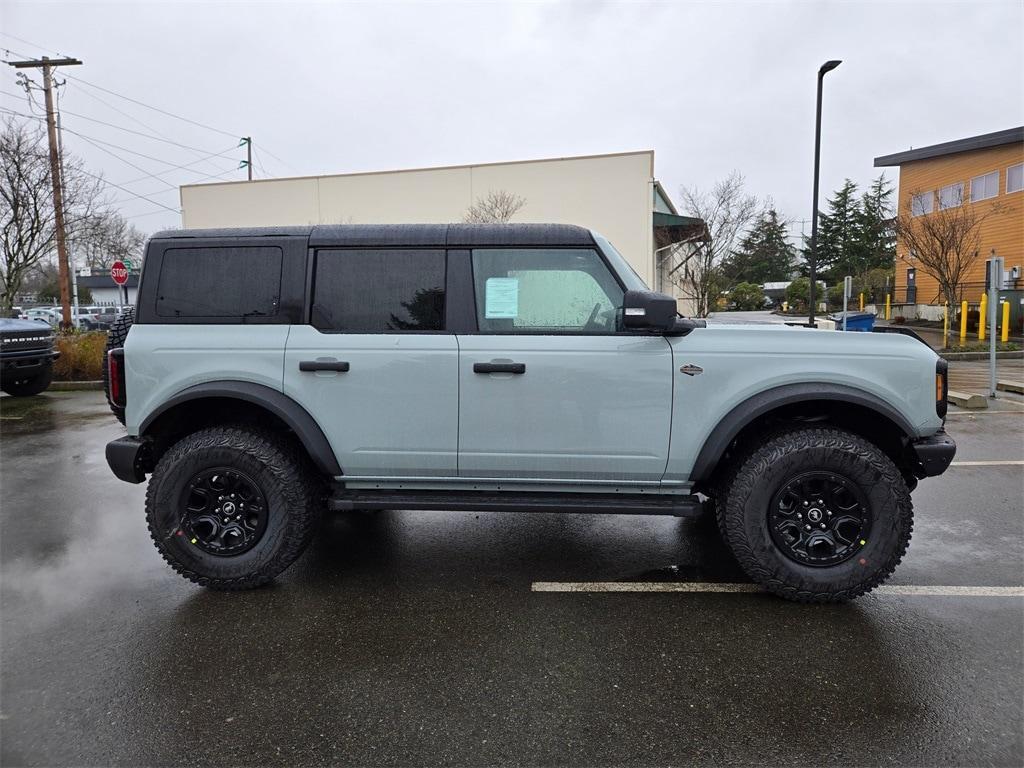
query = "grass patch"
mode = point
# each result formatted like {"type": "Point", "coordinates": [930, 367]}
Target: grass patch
{"type": "Point", "coordinates": [81, 356]}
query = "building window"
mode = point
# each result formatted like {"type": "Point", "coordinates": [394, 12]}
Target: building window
{"type": "Point", "coordinates": [922, 204]}
{"type": "Point", "coordinates": [1015, 178]}
{"type": "Point", "coordinates": [951, 196]}
{"type": "Point", "coordinates": [984, 187]}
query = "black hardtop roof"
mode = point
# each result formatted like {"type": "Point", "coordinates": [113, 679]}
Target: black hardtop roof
{"type": "Point", "coordinates": [376, 235]}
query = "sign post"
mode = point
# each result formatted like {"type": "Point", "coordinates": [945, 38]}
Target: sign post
{"type": "Point", "coordinates": [847, 293]}
{"type": "Point", "coordinates": [119, 274]}
{"type": "Point", "coordinates": [995, 284]}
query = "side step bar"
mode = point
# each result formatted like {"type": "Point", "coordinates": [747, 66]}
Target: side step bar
{"type": "Point", "coordinates": [342, 500]}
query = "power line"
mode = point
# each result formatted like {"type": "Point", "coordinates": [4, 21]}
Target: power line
{"type": "Point", "coordinates": [155, 109]}
{"type": "Point", "coordinates": [184, 166]}
{"type": "Point", "coordinates": [133, 194]}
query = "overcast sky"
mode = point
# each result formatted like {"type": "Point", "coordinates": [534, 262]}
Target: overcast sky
{"type": "Point", "coordinates": [333, 88]}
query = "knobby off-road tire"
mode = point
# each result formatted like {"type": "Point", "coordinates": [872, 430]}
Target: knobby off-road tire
{"type": "Point", "coordinates": [290, 492]}
{"type": "Point", "coordinates": [29, 385]}
{"type": "Point", "coordinates": [115, 340]}
{"type": "Point", "coordinates": [760, 480]}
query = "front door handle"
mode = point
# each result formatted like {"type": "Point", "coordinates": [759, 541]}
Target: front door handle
{"type": "Point", "coordinates": [340, 366]}
{"type": "Point", "coordinates": [499, 368]}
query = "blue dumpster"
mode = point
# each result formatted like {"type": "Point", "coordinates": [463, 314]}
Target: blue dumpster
{"type": "Point", "coordinates": [855, 321]}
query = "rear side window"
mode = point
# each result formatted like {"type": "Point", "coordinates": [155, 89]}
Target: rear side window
{"type": "Point", "coordinates": [379, 291]}
{"type": "Point", "coordinates": [241, 281]}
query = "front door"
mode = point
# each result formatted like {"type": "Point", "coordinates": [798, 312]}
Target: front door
{"type": "Point", "coordinates": [550, 387]}
{"type": "Point", "coordinates": [376, 367]}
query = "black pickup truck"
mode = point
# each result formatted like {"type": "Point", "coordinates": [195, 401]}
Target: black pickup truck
{"type": "Point", "coordinates": [26, 357]}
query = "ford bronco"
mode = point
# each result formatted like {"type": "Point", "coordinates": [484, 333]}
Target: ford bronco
{"type": "Point", "coordinates": [26, 357]}
{"type": "Point", "coordinates": [268, 375]}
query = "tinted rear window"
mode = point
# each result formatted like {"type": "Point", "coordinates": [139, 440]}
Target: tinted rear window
{"type": "Point", "coordinates": [243, 281]}
{"type": "Point", "coordinates": [379, 291]}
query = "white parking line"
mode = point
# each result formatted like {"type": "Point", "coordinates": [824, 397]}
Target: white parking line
{"type": "Point", "coordinates": [694, 586]}
{"type": "Point", "coordinates": [1006, 463]}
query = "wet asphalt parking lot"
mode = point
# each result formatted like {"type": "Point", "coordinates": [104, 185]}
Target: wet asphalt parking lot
{"type": "Point", "coordinates": [409, 638]}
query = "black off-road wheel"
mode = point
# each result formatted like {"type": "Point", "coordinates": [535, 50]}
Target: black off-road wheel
{"type": "Point", "coordinates": [230, 508]}
{"type": "Point", "coordinates": [115, 340]}
{"type": "Point", "coordinates": [27, 386]}
{"type": "Point", "coordinates": [817, 515]}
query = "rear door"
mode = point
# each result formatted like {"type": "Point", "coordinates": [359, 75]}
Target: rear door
{"type": "Point", "coordinates": [375, 366]}
{"type": "Point", "coordinates": [551, 388]}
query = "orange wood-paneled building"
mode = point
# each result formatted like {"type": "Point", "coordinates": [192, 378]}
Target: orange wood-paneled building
{"type": "Point", "coordinates": [984, 171]}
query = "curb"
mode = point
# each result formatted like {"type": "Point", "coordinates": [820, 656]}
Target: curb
{"type": "Point", "coordinates": [964, 400]}
{"type": "Point", "coordinates": [75, 386]}
{"type": "Point", "coordinates": [951, 356]}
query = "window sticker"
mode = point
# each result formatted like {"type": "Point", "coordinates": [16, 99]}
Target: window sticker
{"type": "Point", "coordinates": [501, 299]}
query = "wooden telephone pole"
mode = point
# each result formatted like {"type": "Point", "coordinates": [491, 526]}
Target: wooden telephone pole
{"type": "Point", "coordinates": [47, 65]}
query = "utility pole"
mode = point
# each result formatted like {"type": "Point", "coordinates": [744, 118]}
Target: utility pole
{"type": "Point", "coordinates": [247, 140]}
{"type": "Point", "coordinates": [47, 64]}
{"type": "Point", "coordinates": [828, 66]}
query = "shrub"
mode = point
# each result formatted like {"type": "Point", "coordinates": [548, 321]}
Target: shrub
{"type": "Point", "coordinates": [899, 320]}
{"type": "Point", "coordinates": [81, 356]}
{"type": "Point", "coordinates": [747, 296]}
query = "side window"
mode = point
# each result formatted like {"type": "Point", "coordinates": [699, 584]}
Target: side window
{"type": "Point", "coordinates": [240, 282]}
{"type": "Point", "coordinates": [378, 291]}
{"type": "Point", "coordinates": [538, 290]}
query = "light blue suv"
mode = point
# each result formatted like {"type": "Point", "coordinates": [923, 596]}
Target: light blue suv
{"type": "Point", "coordinates": [267, 375]}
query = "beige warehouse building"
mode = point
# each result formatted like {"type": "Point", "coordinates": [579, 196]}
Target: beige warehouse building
{"type": "Point", "coordinates": [615, 194]}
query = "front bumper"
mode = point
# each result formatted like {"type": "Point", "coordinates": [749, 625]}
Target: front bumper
{"type": "Point", "coordinates": [932, 455]}
{"type": "Point", "coordinates": [125, 457]}
{"type": "Point", "coordinates": [26, 362]}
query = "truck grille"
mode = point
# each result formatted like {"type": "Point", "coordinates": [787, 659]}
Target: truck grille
{"type": "Point", "coordinates": [20, 341]}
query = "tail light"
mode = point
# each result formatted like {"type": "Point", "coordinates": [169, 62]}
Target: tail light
{"type": "Point", "coordinates": [941, 387]}
{"type": "Point", "coordinates": [115, 371]}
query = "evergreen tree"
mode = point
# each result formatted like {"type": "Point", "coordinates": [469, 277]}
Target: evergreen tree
{"type": "Point", "coordinates": [764, 255]}
{"type": "Point", "coordinates": [838, 239]}
{"type": "Point", "coordinates": [875, 238]}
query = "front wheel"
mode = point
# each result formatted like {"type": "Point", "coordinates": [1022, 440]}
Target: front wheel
{"type": "Point", "coordinates": [817, 515]}
{"type": "Point", "coordinates": [29, 385]}
{"type": "Point", "coordinates": [231, 508]}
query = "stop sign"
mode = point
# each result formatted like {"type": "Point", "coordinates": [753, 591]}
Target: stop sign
{"type": "Point", "coordinates": [119, 272]}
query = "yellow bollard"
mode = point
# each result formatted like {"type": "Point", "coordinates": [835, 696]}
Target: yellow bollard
{"type": "Point", "coordinates": [1005, 336]}
{"type": "Point", "coordinates": [982, 316]}
{"type": "Point", "coordinates": [963, 323]}
{"type": "Point", "coordinates": [887, 306]}
{"type": "Point", "coordinates": [862, 302]}
{"type": "Point", "coordinates": [945, 325]}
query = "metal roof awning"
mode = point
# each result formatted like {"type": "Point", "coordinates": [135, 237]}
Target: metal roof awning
{"type": "Point", "coordinates": [671, 228]}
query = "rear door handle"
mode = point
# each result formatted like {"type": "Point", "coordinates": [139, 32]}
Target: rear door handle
{"type": "Point", "coordinates": [499, 368]}
{"type": "Point", "coordinates": [339, 366]}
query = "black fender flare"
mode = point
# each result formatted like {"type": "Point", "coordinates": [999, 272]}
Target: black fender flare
{"type": "Point", "coordinates": [757, 405]}
{"type": "Point", "coordinates": [279, 404]}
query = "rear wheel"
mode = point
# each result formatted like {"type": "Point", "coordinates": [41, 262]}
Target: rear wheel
{"type": "Point", "coordinates": [817, 515]}
{"type": "Point", "coordinates": [231, 508]}
{"type": "Point", "coordinates": [29, 385]}
{"type": "Point", "coordinates": [115, 340]}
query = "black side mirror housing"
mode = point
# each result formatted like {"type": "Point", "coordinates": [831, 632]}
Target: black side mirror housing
{"type": "Point", "coordinates": [648, 311]}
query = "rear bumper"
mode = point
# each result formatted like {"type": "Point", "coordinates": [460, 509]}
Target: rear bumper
{"type": "Point", "coordinates": [124, 456]}
{"type": "Point", "coordinates": [933, 454]}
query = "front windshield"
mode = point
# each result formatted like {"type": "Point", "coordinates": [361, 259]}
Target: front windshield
{"type": "Point", "coordinates": [629, 276]}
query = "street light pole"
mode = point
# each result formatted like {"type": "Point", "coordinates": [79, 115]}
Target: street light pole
{"type": "Point", "coordinates": [828, 66]}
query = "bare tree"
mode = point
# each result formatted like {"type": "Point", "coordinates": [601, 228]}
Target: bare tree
{"type": "Point", "coordinates": [27, 227]}
{"type": "Point", "coordinates": [945, 242]}
{"type": "Point", "coordinates": [727, 210]}
{"type": "Point", "coordinates": [105, 237]}
{"type": "Point", "coordinates": [494, 207]}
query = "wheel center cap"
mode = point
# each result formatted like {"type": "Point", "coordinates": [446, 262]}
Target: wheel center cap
{"type": "Point", "coordinates": [814, 515]}
{"type": "Point", "coordinates": [228, 508]}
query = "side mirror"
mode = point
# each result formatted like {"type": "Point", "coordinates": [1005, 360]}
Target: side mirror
{"type": "Point", "coordinates": [648, 311]}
